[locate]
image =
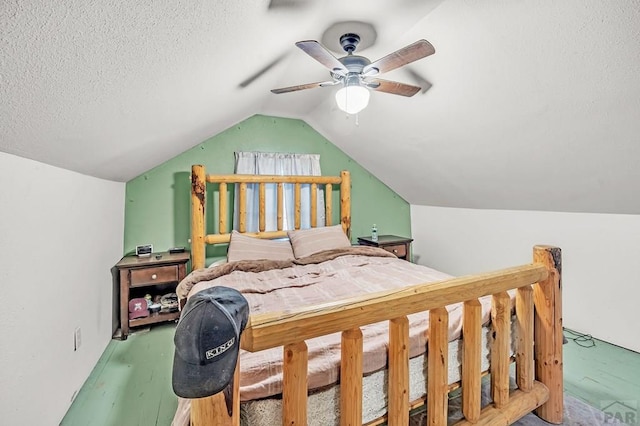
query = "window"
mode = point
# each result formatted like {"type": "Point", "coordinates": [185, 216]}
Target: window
{"type": "Point", "coordinates": [274, 163]}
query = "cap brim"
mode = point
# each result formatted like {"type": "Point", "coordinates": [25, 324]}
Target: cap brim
{"type": "Point", "coordinates": [199, 381]}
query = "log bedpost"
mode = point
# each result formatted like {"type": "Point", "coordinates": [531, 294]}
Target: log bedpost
{"type": "Point", "coordinates": [198, 190]}
{"type": "Point", "coordinates": [472, 360]}
{"type": "Point", "coordinates": [501, 331]}
{"type": "Point", "coordinates": [294, 384]}
{"type": "Point", "coordinates": [297, 205]}
{"type": "Point", "coordinates": [242, 208]}
{"type": "Point", "coordinates": [213, 410]}
{"type": "Point", "coordinates": [547, 296]}
{"type": "Point", "coordinates": [279, 216]}
{"type": "Point", "coordinates": [437, 367]}
{"type": "Point", "coordinates": [222, 210]}
{"type": "Point", "coordinates": [524, 347]}
{"type": "Point", "coordinates": [262, 207]}
{"type": "Point", "coordinates": [314, 205]}
{"type": "Point", "coordinates": [328, 203]}
{"type": "Point", "coordinates": [398, 383]}
{"type": "Point", "coordinates": [351, 378]}
{"type": "Point", "coordinates": [345, 202]}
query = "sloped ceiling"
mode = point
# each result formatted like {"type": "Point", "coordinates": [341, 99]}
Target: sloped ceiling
{"type": "Point", "coordinates": [534, 104]}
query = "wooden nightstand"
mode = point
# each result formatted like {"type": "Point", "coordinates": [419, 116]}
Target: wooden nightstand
{"type": "Point", "coordinates": [400, 246]}
{"type": "Point", "coordinates": [157, 274]}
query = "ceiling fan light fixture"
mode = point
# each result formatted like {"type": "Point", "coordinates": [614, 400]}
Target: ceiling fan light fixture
{"type": "Point", "coordinates": [352, 98]}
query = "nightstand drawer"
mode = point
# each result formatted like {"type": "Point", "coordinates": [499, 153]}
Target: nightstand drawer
{"type": "Point", "coordinates": [399, 250]}
{"type": "Point", "coordinates": [159, 274]}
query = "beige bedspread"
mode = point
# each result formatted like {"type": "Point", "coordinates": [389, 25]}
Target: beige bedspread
{"type": "Point", "coordinates": [336, 274]}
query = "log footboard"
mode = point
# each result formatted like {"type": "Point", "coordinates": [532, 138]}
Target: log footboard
{"type": "Point", "coordinates": [538, 352]}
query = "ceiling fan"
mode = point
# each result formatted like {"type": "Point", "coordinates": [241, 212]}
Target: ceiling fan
{"type": "Point", "coordinates": [357, 74]}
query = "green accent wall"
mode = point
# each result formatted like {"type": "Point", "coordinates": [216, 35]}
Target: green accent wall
{"type": "Point", "coordinates": [157, 208]}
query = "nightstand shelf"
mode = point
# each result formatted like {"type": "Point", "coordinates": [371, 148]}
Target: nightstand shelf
{"type": "Point", "coordinates": [400, 246]}
{"type": "Point", "coordinates": [159, 273]}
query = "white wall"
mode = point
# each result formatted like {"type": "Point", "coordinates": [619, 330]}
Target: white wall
{"type": "Point", "coordinates": [60, 235]}
{"type": "Point", "coordinates": [600, 258]}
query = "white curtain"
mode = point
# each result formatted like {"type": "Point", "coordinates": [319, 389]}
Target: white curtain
{"type": "Point", "coordinates": [275, 163]}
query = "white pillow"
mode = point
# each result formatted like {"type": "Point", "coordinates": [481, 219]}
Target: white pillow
{"type": "Point", "coordinates": [244, 247]}
{"type": "Point", "coordinates": [306, 242]}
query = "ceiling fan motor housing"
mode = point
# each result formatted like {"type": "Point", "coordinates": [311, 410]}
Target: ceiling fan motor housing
{"type": "Point", "coordinates": [354, 63]}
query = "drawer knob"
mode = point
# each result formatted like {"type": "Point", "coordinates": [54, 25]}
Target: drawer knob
{"type": "Point", "coordinates": [395, 250]}
{"type": "Point", "coordinates": [154, 276]}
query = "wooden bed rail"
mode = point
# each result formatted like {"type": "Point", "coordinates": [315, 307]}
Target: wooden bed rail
{"type": "Point", "coordinates": [270, 330]}
{"type": "Point", "coordinates": [538, 375]}
{"type": "Point", "coordinates": [199, 180]}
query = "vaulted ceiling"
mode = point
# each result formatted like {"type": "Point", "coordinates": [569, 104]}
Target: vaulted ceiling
{"type": "Point", "coordinates": [531, 104]}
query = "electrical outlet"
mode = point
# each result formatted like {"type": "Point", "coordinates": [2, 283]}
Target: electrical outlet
{"type": "Point", "coordinates": [77, 339]}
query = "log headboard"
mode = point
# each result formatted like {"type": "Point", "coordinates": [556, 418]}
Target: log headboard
{"type": "Point", "coordinates": [199, 180]}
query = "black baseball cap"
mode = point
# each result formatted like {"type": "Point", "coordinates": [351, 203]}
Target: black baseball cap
{"type": "Point", "coordinates": [207, 341]}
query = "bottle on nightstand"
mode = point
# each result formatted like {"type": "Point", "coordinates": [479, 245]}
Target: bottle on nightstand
{"type": "Point", "coordinates": [374, 233]}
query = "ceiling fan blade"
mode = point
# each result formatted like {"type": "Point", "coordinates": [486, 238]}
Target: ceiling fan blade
{"type": "Point", "coordinates": [420, 80]}
{"type": "Point", "coordinates": [303, 87]}
{"type": "Point", "coordinates": [418, 50]}
{"type": "Point", "coordinates": [291, 4]}
{"type": "Point", "coordinates": [393, 87]}
{"type": "Point", "coordinates": [322, 55]}
{"type": "Point", "coordinates": [246, 82]}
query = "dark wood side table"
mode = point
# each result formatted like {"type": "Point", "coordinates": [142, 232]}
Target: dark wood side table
{"type": "Point", "coordinates": [157, 274]}
{"type": "Point", "coordinates": [400, 246]}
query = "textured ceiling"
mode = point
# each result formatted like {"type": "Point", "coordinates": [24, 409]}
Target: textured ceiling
{"type": "Point", "coordinates": [535, 104]}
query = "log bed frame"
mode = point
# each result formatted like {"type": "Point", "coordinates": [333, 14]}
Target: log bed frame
{"type": "Point", "coordinates": [538, 320]}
